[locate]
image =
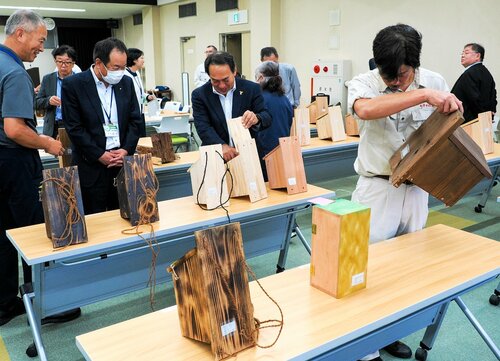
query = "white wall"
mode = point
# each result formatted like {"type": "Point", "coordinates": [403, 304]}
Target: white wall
{"type": "Point", "coordinates": [446, 25]}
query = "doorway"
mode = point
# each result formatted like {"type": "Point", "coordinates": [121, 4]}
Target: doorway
{"type": "Point", "coordinates": [189, 60]}
{"type": "Point", "coordinates": [238, 45]}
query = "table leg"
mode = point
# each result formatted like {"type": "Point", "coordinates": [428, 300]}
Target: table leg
{"type": "Point", "coordinates": [280, 267]}
{"type": "Point", "coordinates": [495, 297]}
{"type": "Point", "coordinates": [478, 327]}
{"type": "Point", "coordinates": [487, 191]}
{"type": "Point", "coordinates": [431, 333]}
{"type": "Point", "coordinates": [303, 239]}
{"type": "Point", "coordinates": [34, 321]}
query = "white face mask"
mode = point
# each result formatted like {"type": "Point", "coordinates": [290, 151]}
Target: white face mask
{"type": "Point", "coordinates": [113, 77]}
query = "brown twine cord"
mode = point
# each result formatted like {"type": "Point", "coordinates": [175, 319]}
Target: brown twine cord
{"type": "Point", "coordinates": [147, 209]}
{"type": "Point", "coordinates": [66, 190]}
{"type": "Point", "coordinates": [240, 319]}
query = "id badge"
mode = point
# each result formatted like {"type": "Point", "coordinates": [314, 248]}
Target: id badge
{"type": "Point", "coordinates": [110, 131]}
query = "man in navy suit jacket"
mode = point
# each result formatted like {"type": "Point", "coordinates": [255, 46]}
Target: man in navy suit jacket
{"type": "Point", "coordinates": [475, 87]}
{"type": "Point", "coordinates": [102, 118]}
{"type": "Point", "coordinates": [226, 97]}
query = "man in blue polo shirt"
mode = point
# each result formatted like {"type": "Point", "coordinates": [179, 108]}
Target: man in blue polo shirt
{"type": "Point", "coordinates": [20, 164]}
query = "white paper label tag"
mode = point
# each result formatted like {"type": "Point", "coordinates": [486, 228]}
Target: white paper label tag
{"type": "Point", "coordinates": [212, 191]}
{"type": "Point", "coordinates": [228, 328]}
{"type": "Point", "coordinates": [292, 181]}
{"type": "Point", "coordinates": [358, 279]}
{"type": "Point", "coordinates": [252, 186]}
{"type": "Point", "coordinates": [405, 151]}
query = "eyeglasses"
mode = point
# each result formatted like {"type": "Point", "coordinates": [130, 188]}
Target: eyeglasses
{"type": "Point", "coordinates": [65, 63]}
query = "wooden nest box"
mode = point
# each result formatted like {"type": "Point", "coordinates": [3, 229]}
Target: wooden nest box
{"type": "Point", "coordinates": [63, 207]}
{"type": "Point", "coordinates": [301, 127]}
{"type": "Point", "coordinates": [246, 173]}
{"type": "Point", "coordinates": [331, 126]}
{"type": "Point", "coordinates": [339, 257]}
{"type": "Point", "coordinates": [440, 158]}
{"type": "Point", "coordinates": [161, 148]}
{"type": "Point", "coordinates": [212, 293]}
{"type": "Point", "coordinates": [137, 186]}
{"type": "Point", "coordinates": [65, 159]}
{"type": "Point", "coordinates": [285, 166]}
{"type": "Point", "coordinates": [481, 131]}
{"type": "Point", "coordinates": [209, 178]}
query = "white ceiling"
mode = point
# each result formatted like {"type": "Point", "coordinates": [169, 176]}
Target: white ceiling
{"type": "Point", "coordinates": [93, 10]}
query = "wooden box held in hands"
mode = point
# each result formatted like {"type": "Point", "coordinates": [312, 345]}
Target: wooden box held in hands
{"type": "Point", "coordinates": [440, 158]}
{"type": "Point", "coordinates": [301, 127]}
{"type": "Point", "coordinates": [285, 166]}
{"type": "Point", "coordinates": [63, 207]}
{"type": "Point", "coordinates": [137, 186]}
{"type": "Point", "coordinates": [340, 237]}
{"type": "Point", "coordinates": [481, 131]}
{"type": "Point", "coordinates": [209, 177]}
{"type": "Point", "coordinates": [246, 173]}
{"type": "Point", "coordinates": [65, 159]}
{"type": "Point", "coordinates": [161, 148]}
{"type": "Point", "coordinates": [212, 293]}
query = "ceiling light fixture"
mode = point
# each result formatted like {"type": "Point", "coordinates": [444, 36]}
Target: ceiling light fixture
{"type": "Point", "coordinates": [40, 8]}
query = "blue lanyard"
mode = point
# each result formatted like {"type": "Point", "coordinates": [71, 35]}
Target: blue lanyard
{"type": "Point", "coordinates": [108, 115]}
{"type": "Point", "coordinates": [10, 53]}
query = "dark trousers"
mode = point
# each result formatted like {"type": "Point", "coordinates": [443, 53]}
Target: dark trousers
{"type": "Point", "coordinates": [20, 177]}
{"type": "Point", "coordinates": [100, 194]}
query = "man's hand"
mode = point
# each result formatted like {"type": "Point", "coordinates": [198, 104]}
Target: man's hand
{"type": "Point", "coordinates": [443, 101]}
{"type": "Point", "coordinates": [229, 152]}
{"type": "Point", "coordinates": [117, 157]}
{"type": "Point", "coordinates": [53, 146]}
{"type": "Point", "coordinates": [249, 119]}
{"type": "Point", "coordinates": [55, 101]}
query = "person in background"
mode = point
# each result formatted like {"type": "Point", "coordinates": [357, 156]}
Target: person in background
{"type": "Point", "coordinates": [267, 75]}
{"type": "Point", "coordinates": [20, 164]}
{"type": "Point", "coordinates": [475, 87]}
{"type": "Point", "coordinates": [389, 103]}
{"type": "Point", "coordinates": [288, 73]}
{"type": "Point", "coordinates": [102, 118]}
{"type": "Point", "coordinates": [200, 75]}
{"type": "Point", "coordinates": [135, 62]}
{"type": "Point", "coordinates": [48, 99]}
{"type": "Point", "coordinates": [223, 98]}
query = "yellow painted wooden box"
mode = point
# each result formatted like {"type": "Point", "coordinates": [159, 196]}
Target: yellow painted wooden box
{"type": "Point", "coordinates": [339, 257]}
{"type": "Point", "coordinates": [212, 292]}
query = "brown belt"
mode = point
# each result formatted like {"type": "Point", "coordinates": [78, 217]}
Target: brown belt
{"type": "Point", "coordinates": [386, 177]}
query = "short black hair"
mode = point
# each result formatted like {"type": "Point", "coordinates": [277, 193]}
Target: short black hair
{"type": "Point", "coordinates": [268, 51]}
{"type": "Point", "coordinates": [65, 49]}
{"type": "Point", "coordinates": [394, 46]}
{"type": "Point", "coordinates": [212, 46]}
{"type": "Point", "coordinates": [132, 55]}
{"type": "Point", "coordinates": [103, 48]}
{"type": "Point", "coordinates": [478, 48]}
{"type": "Point", "coordinates": [220, 58]}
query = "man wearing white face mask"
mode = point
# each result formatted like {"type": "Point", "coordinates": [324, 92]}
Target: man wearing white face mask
{"type": "Point", "coordinates": [102, 118]}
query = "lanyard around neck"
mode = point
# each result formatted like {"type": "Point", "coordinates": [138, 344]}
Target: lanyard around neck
{"type": "Point", "coordinates": [108, 115]}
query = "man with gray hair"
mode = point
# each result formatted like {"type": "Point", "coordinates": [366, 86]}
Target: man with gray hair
{"type": "Point", "coordinates": [20, 163]}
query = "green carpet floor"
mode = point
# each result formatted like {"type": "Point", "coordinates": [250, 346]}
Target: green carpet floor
{"type": "Point", "coordinates": [457, 339]}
